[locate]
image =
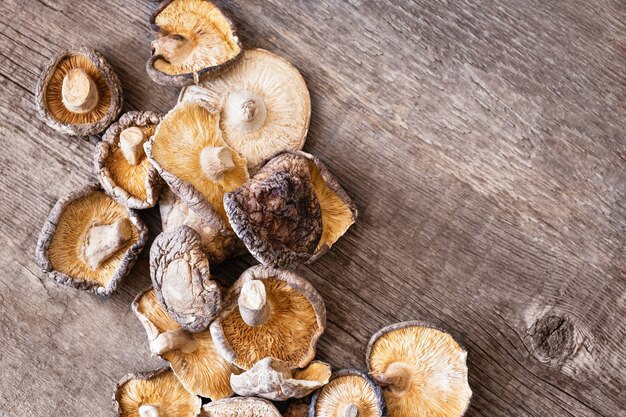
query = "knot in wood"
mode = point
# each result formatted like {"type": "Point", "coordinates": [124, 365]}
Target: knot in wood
{"type": "Point", "coordinates": [552, 339]}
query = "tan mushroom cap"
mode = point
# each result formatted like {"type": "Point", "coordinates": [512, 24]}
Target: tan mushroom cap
{"type": "Point", "coordinates": [264, 102]}
{"type": "Point", "coordinates": [155, 394]}
{"type": "Point", "coordinates": [188, 151]}
{"type": "Point", "coordinates": [423, 370]}
{"type": "Point", "coordinates": [269, 313]}
{"type": "Point", "coordinates": [192, 356]}
{"type": "Point", "coordinates": [240, 407]}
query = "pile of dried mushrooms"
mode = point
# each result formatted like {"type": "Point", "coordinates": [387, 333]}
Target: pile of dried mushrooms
{"type": "Point", "coordinates": [226, 168]}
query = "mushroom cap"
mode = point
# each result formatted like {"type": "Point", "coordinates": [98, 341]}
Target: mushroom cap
{"type": "Point", "coordinates": [203, 371]}
{"type": "Point", "coordinates": [49, 95]}
{"type": "Point", "coordinates": [160, 389]}
{"type": "Point", "coordinates": [182, 281]}
{"type": "Point", "coordinates": [296, 321]}
{"type": "Point", "coordinates": [65, 232]}
{"type": "Point", "coordinates": [434, 370]}
{"type": "Point", "coordinates": [135, 186]}
{"type": "Point", "coordinates": [217, 244]}
{"type": "Point", "coordinates": [274, 380]}
{"type": "Point", "coordinates": [175, 150]}
{"type": "Point", "coordinates": [208, 44]}
{"type": "Point", "coordinates": [277, 214]}
{"type": "Point", "coordinates": [282, 103]}
{"type": "Point", "coordinates": [240, 407]}
{"type": "Point", "coordinates": [347, 388]}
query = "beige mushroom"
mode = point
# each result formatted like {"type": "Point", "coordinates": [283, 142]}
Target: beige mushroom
{"type": "Point", "coordinates": [240, 407]}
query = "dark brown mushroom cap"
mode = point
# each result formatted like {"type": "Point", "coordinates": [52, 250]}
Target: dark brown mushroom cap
{"type": "Point", "coordinates": [193, 20]}
{"type": "Point", "coordinates": [295, 320]}
{"type": "Point", "coordinates": [158, 389]}
{"type": "Point", "coordinates": [277, 214]}
{"type": "Point", "coordinates": [135, 186]}
{"type": "Point", "coordinates": [182, 281]}
{"type": "Point", "coordinates": [60, 237]}
{"type": "Point", "coordinates": [346, 388]}
{"type": "Point", "coordinates": [240, 407]}
{"type": "Point", "coordinates": [48, 93]}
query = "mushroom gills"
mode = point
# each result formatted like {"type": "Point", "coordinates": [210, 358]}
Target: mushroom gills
{"type": "Point", "coordinates": [103, 241]}
{"type": "Point", "coordinates": [175, 49]}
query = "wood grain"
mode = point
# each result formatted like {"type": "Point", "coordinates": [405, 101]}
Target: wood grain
{"type": "Point", "coordinates": [482, 141]}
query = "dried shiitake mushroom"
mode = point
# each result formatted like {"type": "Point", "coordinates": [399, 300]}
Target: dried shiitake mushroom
{"type": "Point", "coordinates": [240, 407]}
{"type": "Point", "coordinates": [350, 393]}
{"type": "Point", "coordinates": [192, 356]}
{"type": "Point", "coordinates": [264, 102]}
{"type": "Point", "coordinates": [423, 370]}
{"type": "Point", "coordinates": [274, 380]}
{"type": "Point", "coordinates": [90, 241]}
{"type": "Point", "coordinates": [194, 41]}
{"type": "Point", "coordinates": [182, 281]}
{"type": "Point", "coordinates": [154, 394]}
{"type": "Point", "coordinates": [123, 169]}
{"type": "Point", "coordinates": [78, 93]}
{"type": "Point", "coordinates": [188, 151]}
{"type": "Point", "coordinates": [298, 407]}
{"type": "Point", "coordinates": [269, 313]}
{"type": "Point", "coordinates": [217, 243]}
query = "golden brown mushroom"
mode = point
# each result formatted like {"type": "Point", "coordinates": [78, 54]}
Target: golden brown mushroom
{"type": "Point", "coordinates": [194, 41]}
{"type": "Point", "coordinates": [423, 370]}
{"type": "Point", "coordinates": [240, 407]}
{"type": "Point", "coordinates": [90, 241]}
{"type": "Point", "coordinates": [78, 93]}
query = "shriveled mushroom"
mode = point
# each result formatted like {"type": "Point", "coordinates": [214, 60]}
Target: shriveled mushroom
{"type": "Point", "coordinates": [423, 370]}
{"type": "Point", "coordinates": [78, 93]}
{"type": "Point", "coordinates": [89, 241]}
{"type": "Point", "coordinates": [274, 380]}
{"type": "Point", "coordinates": [217, 243]}
{"type": "Point", "coordinates": [182, 281]}
{"type": "Point", "coordinates": [188, 151]}
{"type": "Point", "coordinates": [264, 102]}
{"type": "Point", "coordinates": [122, 167]}
{"type": "Point", "coordinates": [192, 356]}
{"type": "Point", "coordinates": [269, 313]}
{"type": "Point", "coordinates": [277, 214]}
{"type": "Point", "coordinates": [154, 394]}
{"type": "Point", "coordinates": [240, 407]}
{"type": "Point", "coordinates": [350, 393]}
{"type": "Point", "coordinates": [194, 41]}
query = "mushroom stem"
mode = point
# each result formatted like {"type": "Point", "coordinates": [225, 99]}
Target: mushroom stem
{"type": "Point", "coordinates": [79, 91]}
{"type": "Point", "coordinates": [171, 340]}
{"type": "Point", "coordinates": [147, 410]}
{"type": "Point", "coordinates": [246, 109]}
{"type": "Point", "coordinates": [397, 376]}
{"type": "Point", "coordinates": [216, 161]}
{"type": "Point", "coordinates": [104, 240]}
{"type": "Point", "coordinates": [351, 410]}
{"type": "Point", "coordinates": [173, 48]}
{"type": "Point", "coordinates": [131, 141]}
{"type": "Point", "coordinates": [253, 305]}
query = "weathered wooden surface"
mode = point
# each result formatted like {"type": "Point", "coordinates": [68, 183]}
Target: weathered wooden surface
{"type": "Point", "coordinates": [484, 143]}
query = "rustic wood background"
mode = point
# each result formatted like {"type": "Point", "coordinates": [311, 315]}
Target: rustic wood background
{"type": "Point", "coordinates": [483, 142]}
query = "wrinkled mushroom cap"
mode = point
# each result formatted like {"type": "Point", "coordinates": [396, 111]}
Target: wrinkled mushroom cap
{"type": "Point", "coordinates": [264, 102]}
{"type": "Point", "coordinates": [240, 407]}
{"type": "Point", "coordinates": [64, 241]}
{"type": "Point", "coordinates": [217, 244]}
{"type": "Point", "coordinates": [135, 184]}
{"type": "Point", "coordinates": [159, 390]}
{"type": "Point", "coordinates": [182, 281]}
{"type": "Point", "coordinates": [422, 368]}
{"type": "Point", "coordinates": [194, 41]}
{"type": "Point", "coordinates": [274, 380]}
{"type": "Point", "coordinates": [198, 366]}
{"type": "Point", "coordinates": [294, 318]}
{"type": "Point", "coordinates": [350, 393]}
{"type": "Point", "coordinates": [78, 77]}
{"type": "Point", "coordinates": [277, 214]}
{"type": "Point", "coordinates": [188, 151]}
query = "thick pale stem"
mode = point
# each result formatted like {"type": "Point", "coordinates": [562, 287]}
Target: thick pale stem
{"type": "Point", "coordinates": [172, 340]}
{"type": "Point", "coordinates": [131, 144]}
{"type": "Point", "coordinates": [351, 411]}
{"type": "Point", "coordinates": [216, 161]}
{"type": "Point", "coordinates": [79, 91]}
{"type": "Point", "coordinates": [253, 305]}
{"type": "Point", "coordinates": [147, 410]}
{"type": "Point", "coordinates": [246, 110]}
{"type": "Point", "coordinates": [173, 48]}
{"type": "Point", "coordinates": [397, 376]}
{"type": "Point", "coordinates": [104, 240]}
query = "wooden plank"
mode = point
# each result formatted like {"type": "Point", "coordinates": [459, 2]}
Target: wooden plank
{"type": "Point", "coordinates": [483, 143]}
